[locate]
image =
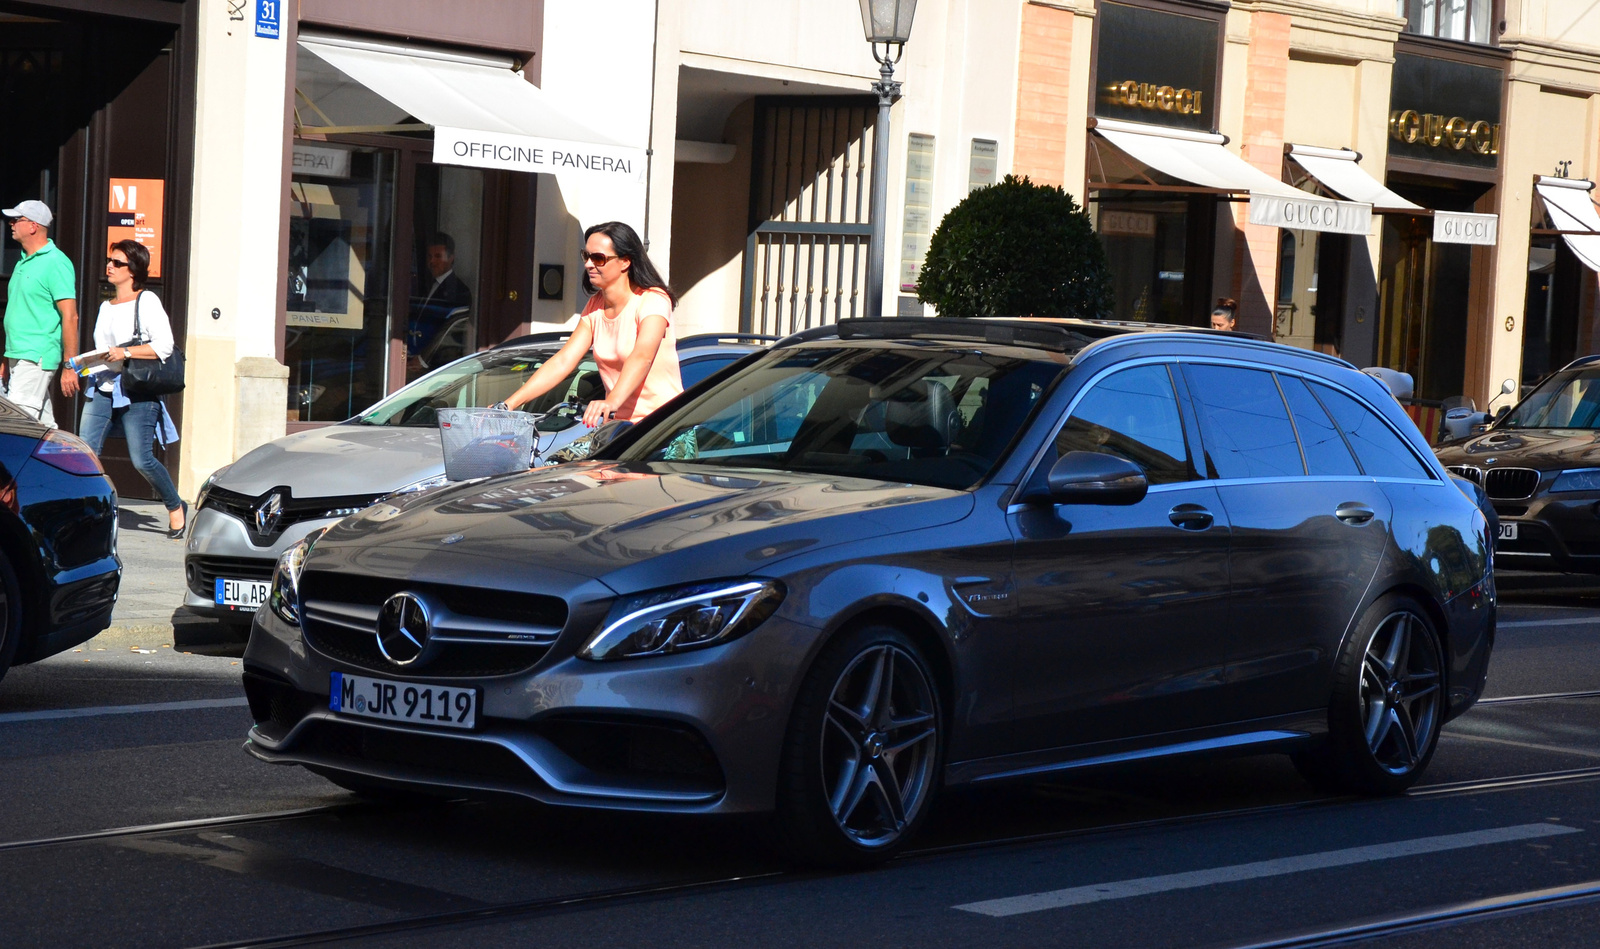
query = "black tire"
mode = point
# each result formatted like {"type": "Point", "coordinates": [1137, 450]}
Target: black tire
{"type": "Point", "coordinates": [863, 753]}
{"type": "Point", "coordinates": [1387, 704]}
{"type": "Point", "coordinates": [10, 614]}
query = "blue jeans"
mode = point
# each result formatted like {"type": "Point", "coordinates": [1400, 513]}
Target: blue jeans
{"type": "Point", "coordinates": [138, 421]}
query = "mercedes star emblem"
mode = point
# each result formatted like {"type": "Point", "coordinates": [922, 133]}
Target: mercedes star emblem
{"type": "Point", "coordinates": [403, 628]}
{"type": "Point", "coordinates": [268, 514]}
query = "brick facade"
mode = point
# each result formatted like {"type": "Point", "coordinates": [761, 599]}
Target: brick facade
{"type": "Point", "coordinates": [1044, 83]}
{"type": "Point", "coordinates": [1256, 256]}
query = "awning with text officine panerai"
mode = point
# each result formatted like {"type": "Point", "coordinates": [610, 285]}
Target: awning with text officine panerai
{"type": "Point", "coordinates": [483, 113]}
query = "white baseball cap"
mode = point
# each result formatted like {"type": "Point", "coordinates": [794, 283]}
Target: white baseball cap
{"type": "Point", "coordinates": [35, 211]}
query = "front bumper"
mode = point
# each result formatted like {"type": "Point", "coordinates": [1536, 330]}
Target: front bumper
{"type": "Point", "coordinates": [219, 546]}
{"type": "Point", "coordinates": [697, 732]}
{"type": "Point", "coordinates": [1555, 532]}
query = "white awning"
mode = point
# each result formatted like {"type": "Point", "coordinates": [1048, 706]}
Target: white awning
{"type": "Point", "coordinates": [484, 113]}
{"type": "Point", "coordinates": [1200, 158]}
{"type": "Point", "coordinates": [1570, 208]}
{"type": "Point", "coordinates": [1196, 157]}
{"type": "Point", "coordinates": [1337, 169]}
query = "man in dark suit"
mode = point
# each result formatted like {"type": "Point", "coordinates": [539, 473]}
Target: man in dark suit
{"type": "Point", "coordinates": [440, 297]}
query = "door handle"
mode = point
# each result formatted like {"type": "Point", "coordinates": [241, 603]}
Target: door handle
{"type": "Point", "coordinates": [1354, 513]}
{"type": "Point", "coordinates": [1190, 517]}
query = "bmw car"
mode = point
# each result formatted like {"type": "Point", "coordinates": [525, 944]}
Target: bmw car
{"type": "Point", "coordinates": [890, 557]}
{"type": "Point", "coordinates": [59, 570]}
{"type": "Point", "coordinates": [249, 512]}
{"type": "Point", "coordinates": [1539, 464]}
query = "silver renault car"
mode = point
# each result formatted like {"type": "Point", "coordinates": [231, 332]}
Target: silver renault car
{"type": "Point", "coordinates": [249, 512]}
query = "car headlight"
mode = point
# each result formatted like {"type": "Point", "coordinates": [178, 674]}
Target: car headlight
{"type": "Point", "coordinates": [1577, 479]}
{"type": "Point", "coordinates": [285, 596]}
{"type": "Point", "coordinates": [415, 487]}
{"type": "Point", "coordinates": [205, 489]}
{"type": "Point", "coordinates": [669, 621]}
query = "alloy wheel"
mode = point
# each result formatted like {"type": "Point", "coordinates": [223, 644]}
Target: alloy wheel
{"type": "Point", "coordinates": [1400, 692]}
{"type": "Point", "coordinates": [879, 745]}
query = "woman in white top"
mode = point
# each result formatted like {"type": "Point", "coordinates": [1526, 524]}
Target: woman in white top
{"type": "Point", "coordinates": [127, 266]}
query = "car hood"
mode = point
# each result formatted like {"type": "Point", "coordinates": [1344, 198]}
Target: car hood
{"type": "Point", "coordinates": [632, 527]}
{"type": "Point", "coordinates": [1547, 449]}
{"type": "Point", "coordinates": [339, 461]}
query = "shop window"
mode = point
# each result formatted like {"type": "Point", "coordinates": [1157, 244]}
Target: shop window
{"type": "Point", "coordinates": [442, 314]}
{"type": "Point", "coordinates": [1159, 254]}
{"type": "Point", "coordinates": [337, 327]}
{"type": "Point", "coordinates": [1464, 20]}
{"type": "Point", "coordinates": [1550, 317]}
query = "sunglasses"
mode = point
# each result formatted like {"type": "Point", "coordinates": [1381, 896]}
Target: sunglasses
{"type": "Point", "coordinates": [599, 260]}
{"type": "Point", "coordinates": [114, 262]}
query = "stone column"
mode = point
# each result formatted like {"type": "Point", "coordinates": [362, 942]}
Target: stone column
{"type": "Point", "coordinates": [1265, 95]}
{"type": "Point", "coordinates": [233, 402]}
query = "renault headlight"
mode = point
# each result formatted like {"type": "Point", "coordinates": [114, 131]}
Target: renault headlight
{"type": "Point", "coordinates": [417, 487]}
{"type": "Point", "coordinates": [1577, 479]}
{"type": "Point", "coordinates": [285, 596]}
{"type": "Point", "coordinates": [669, 621]}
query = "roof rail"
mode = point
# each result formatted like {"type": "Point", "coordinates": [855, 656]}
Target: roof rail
{"type": "Point", "coordinates": [1582, 361]}
{"type": "Point", "coordinates": [1237, 339]}
{"type": "Point", "coordinates": [728, 337]}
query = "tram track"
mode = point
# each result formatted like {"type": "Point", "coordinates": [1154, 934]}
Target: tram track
{"type": "Point", "coordinates": [554, 905]}
{"type": "Point", "coordinates": [1444, 917]}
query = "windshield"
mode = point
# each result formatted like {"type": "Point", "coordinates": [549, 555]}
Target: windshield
{"type": "Point", "coordinates": [1566, 400]}
{"type": "Point", "coordinates": [929, 415]}
{"type": "Point", "coordinates": [481, 381]}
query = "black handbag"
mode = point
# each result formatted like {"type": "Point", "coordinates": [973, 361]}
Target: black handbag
{"type": "Point", "coordinates": [147, 378]}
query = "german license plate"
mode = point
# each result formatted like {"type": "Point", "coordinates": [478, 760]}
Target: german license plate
{"type": "Point", "coordinates": [1508, 530]}
{"type": "Point", "coordinates": [246, 595]}
{"type": "Point", "coordinates": [414, 702]}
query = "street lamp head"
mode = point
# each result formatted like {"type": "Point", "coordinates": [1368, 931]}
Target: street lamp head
{"type": "Point", "coordinates": [887, 21]}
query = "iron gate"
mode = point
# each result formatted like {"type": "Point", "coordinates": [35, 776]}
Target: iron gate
{"type": "Point", "coordinates": [805, 261]}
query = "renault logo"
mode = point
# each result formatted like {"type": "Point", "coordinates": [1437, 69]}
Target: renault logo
{"type": "Point", "coordinates": [268, 514]}
{"type": "Point", "coordinates": [403, 628]}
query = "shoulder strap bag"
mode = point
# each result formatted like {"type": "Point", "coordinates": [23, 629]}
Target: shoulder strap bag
{"type": "Point", "coordinates": [149, 378]}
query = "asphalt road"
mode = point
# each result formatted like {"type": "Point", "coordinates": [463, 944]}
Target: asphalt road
{"type": "Point", "coordinates": [131, 731]}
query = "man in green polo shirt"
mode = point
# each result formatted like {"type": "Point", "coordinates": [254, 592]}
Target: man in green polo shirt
{"type": "Point", "coordinates": [41, 320]}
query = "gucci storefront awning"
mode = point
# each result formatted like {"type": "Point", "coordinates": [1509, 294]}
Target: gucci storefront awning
{"type": "Point", "coordinates": [1572, 214]}
{"type": "Point", "coordinates": [482, 111]}
{"type": "Point", "coordinates": [1338, 171]}
{"type": "Point", "coordinates": [1200, 159]}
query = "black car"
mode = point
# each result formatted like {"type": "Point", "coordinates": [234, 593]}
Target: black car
{"type": "Point", "coordinates": [1539, 464]}
{"type": "Point", "coordinates": [898, 555]}
{"type": "Point", "coordinates": [58, 540]}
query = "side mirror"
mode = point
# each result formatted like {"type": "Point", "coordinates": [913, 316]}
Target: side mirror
{"type": "Point", "coordinates": [1090, 477]}
{"type": "Point", "coordinates": [607, 433]}
{"type": "Point", "coordinates": [1502, 412]}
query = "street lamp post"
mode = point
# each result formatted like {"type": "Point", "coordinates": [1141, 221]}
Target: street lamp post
{"type": "Point", "coordinates": [887, 22]}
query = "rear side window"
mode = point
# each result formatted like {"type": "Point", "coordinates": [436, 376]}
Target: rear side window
{"type": "Point", "coordinates": [1382, 453]}
{"type": "Point", "coordinates": [1244, 423]}
{"type": "Point", "coordinates": [1132, 414]}
{"type": "Point", "coordinates": [1324, 447]}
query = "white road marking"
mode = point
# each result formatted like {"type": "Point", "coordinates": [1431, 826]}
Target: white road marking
{"type": "Point", "coordinates": [1518, 624]}
{"type": "Point", "coordinates": [1532, 746]}
{"type": "Point", "coordinates": [1122, 889]}
{"type": "Point", "coordinates": [52, 713]}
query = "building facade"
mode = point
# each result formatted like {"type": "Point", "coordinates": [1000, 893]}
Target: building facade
{"type": "Point", "coordinates": [351, 193]}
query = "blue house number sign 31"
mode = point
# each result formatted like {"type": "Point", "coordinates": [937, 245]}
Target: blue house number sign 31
{"type": "Point", "coordinates": [268, 13]}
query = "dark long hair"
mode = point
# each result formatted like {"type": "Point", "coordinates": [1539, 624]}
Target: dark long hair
{"type": "Point", "coordinates": [642, 274]}
{"type": "Point", "coordinates": [138, 260]}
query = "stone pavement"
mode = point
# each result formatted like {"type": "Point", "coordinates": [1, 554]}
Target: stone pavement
{"type": "Point", "coordinates": [151, 597]}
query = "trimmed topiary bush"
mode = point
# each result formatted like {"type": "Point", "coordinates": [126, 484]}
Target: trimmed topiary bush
{"type": "Point", "coordinates": [1016, 249]}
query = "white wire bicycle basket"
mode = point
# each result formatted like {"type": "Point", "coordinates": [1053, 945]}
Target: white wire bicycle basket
{"type": "Point", "coordinates": [479, 443]}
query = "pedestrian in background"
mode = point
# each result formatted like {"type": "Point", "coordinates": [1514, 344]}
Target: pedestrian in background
{"type": "Point", "coordinates": [628, 324]}
{"type": "Point", "coordinates": [1222, 315]}
{"type": "Point", "coordinates": [132, 325]}
{"type": "Point", "coordinates": [41, 320]}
